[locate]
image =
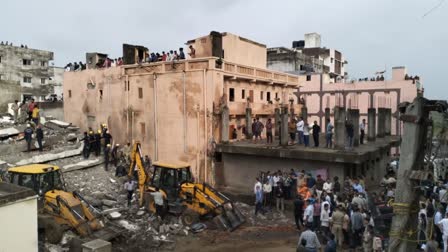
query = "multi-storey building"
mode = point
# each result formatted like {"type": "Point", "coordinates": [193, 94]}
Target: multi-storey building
{"type": "Point", "coordinates": [307, 56]}
{"type": "Point", "coordinates": [174, 108]}
{"type": "Point", "coordinates": [26, 73]}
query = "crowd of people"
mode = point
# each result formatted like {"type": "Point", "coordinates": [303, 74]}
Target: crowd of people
{"type": "Point", "coordinates": [300, 131]}
{"type": "Point", "coordinates": [28, 112]}
{"type": "Point", "coordinates": [326, 211]}
{"type": "Point", "coordinates": [432, 222]}
{"type": "Point", "coordinates": [6, 43]}
{"type": "Point", "coordinates": [341, 214]}
{"type": "Point", "coordinates": [171, 55]}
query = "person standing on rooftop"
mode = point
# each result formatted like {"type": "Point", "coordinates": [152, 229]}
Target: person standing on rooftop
{"type": "Point", "coordinates": [175, 56]}
{"type": "Point", "coordinates": [181, 53]}
{"type": "Point", "coordinates": [164, 56]}
{"type": "Point", "coordinates": [192, 52]}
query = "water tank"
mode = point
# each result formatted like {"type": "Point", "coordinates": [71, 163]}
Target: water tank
{"type": "Point", "coordinates": [298, 44]}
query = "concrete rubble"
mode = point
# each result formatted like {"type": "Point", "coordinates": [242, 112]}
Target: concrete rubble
{"type": "Point", "coordinates": [43, 158]}
{"type": "Point", "coordinates": [104, 191]}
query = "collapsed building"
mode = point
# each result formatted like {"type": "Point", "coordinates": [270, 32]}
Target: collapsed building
{"type": "Point", "coordinates": [27, 73]}
{"type": "Point", "coordinates": [175, 108]}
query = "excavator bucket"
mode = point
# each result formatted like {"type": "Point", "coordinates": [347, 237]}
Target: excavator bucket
{"type": "Point", "coordinates": [230, 217]}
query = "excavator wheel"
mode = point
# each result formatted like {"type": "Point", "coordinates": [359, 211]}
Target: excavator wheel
{"type": "Point", "coordinates": [53, 231]}
{"type": "Point", "coordinates": [189, 217]}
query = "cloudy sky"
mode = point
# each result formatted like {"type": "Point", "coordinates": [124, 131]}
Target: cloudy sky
{"type": "Point", "coordinates": [372, 34]}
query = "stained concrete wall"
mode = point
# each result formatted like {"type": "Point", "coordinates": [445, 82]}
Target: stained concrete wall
{"type": "Point", "coordinates": [146, 104]}
{"type": "Point", "coordinates": [235, 48]}
{"type": "Point", "coordinates": [10, 91]}
{"type": "Point", "coordinates": [239, 171]}
{"type": "Point", "coordinates": [155, 114]}
{"type": "Point", "coordinates": [13, 71]}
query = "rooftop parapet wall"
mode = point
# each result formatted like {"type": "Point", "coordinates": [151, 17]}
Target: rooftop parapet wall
{"type": "Point", "coordinates": [212, 63]}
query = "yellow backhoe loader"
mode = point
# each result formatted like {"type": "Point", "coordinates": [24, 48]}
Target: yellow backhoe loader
{"type": "Point", "coordinates": [182, 196]}
{"type": "Point", "coordinates": [60, 210]}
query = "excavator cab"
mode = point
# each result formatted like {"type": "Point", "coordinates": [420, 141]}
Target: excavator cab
{"type": "Point", "coordinates": [192, 200]}
{"type": "Point", "coordinates": [59, 209]}
{"type": "Point", "coordinates": [38, 177]}
{"type": "Point", "coordinates": [170, 177]}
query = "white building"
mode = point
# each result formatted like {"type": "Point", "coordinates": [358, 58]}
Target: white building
{"type": "Point", "coordinates": [18, 219]}
{"type": "Point", "coordinates": [308, 56]}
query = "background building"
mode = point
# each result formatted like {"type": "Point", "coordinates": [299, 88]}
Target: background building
{"type": "Point", "coordinates": [319, 93]}
{"type": "Point", "coordinates": [174, 108]}
{"type": "Point", "coordinates": [25, 73]}
{"type": "Point", "coordinates": [308, 56]}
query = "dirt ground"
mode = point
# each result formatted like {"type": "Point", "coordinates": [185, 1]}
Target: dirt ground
{"type": "Point", "coordinates": [258, 239]}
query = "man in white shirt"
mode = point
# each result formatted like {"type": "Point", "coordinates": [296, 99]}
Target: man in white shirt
{"type": "Point", "coordinates": [308, 214]}
{"type": "Point", "coordinates": [257, 184]}
{"type": "Point", "coordinates": [158, 200]}
{"type": "Point", "coordinates": [299, 126]}
{"type": "Point", "coordinates": [325, 218]}
{"type": "Point", "coordinates": [129, 186]}
{"type": "Point", "coordinates": [443, 196]}
{"type": "Point", "coordinates": [443, 224]}
{"type": "Point", "coordinates": [328, 186]}
{"type": "Point", "coordinates": [362, 127]}
{"type": "Point", "coordinates": [267, 190]}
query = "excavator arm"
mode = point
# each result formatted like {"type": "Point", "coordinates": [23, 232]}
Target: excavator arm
{"type": "Point", "coordinates": [137, 163]}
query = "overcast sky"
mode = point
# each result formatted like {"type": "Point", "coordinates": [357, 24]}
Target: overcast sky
{"type": "Point", "coordinates": [371, 34]}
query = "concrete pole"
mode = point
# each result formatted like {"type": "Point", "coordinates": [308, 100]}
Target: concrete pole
{"type": "Point", "coordinates": [412, 156]}
{"type": "Point", "coordinates": [388, 121]}
{"type": "Point", "coordinates": [277, 121]}
{"type": "Point", "coordinates": [371, 124]}
{"type": "Point", "coordinates": [284, 127]}
{"type": "Point", "coordinates": [327, 116]}
{"type": "Point", "coordinates": [225, 124]}
{"type": "Point", "coordinates": [339, 128]}
{"type": "Point", "coordinates": [381, 122]}
{"type": "Point", "coordinates": [248, 123]}
{"type": "Point", "coordinates": [304, 114]}
{"type": "Point", "coordinates": [353, 115]}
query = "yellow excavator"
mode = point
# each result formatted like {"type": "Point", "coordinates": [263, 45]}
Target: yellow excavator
{"type": "Point", "coordinates": [182, 197]}
{"type": "Point", "coordinates": [59, 210]}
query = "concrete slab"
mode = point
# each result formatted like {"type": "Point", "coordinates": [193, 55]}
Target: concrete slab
{"type": "Point", "coordinates": [60, 123]}
{"type": "Point", "coordinates": [82, 165]}
{"type": "Point", "coordinates": [7, 132]}
{"type": "Point", "coordinates": [356, 156]}
{"type": "Point", "coordinates": [97, 245]}
{"type": "Point", "coordinates": [51, 156]}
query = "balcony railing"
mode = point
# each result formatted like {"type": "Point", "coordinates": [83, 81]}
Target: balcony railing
{"type": "Point", "coordinates": [229, 69]}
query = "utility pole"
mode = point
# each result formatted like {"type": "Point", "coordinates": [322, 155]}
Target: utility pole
{"type": "Point", "coordinates": [413, 144]}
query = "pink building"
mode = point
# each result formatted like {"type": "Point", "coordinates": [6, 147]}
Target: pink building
{"type": "Point", "coordinates": [174, 107]}
{"type": "Point", "coordinates": [319, 93]}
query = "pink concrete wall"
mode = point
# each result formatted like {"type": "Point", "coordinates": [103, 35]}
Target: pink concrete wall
{"type": "Point", "coordinates": [146, 103]}
{"type": "Point", "coordinates": [360, 100]}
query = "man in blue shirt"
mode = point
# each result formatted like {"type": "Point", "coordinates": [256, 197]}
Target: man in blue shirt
{"type": "Point", "coordinates": [357, 187]}
{"type": "Point", "coordinates": [329, 134]}
{"type": "Point", "coordinates": [258, 199]}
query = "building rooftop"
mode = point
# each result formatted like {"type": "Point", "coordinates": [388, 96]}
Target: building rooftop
{"type": "Point", "coordinates": [11, 193]}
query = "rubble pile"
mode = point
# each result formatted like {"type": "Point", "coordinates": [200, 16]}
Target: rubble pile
{"type": "Point", "coordinates": [58, 137]}
{"type": "Point", "coordinates": [270, 218]}
{"type": "Point", "coordinates": [143, 229]}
